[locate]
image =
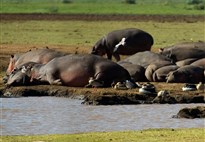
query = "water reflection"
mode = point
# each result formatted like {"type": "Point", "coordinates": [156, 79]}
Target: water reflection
{"type": "Point", "coordinates": [53, 115]}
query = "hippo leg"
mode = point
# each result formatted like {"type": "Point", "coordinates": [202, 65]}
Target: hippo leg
{"type": "Point", "coordinates": [117, 56]}
{"type": "Point", "coordinates": [109, 55]}
{"type": "Point", "coordinates": [104, 77]}
{"type": "Point", "coordinates": [52, 79]}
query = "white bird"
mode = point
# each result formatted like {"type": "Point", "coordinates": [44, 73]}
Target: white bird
{"type": "Point", "coordinates": [122, 42]}
{"type": "Point", "coordinates": [189, 87]}
{"type": "Point", "coordinates": [200, 86]}
{"type": "Point", "coordinates": [95, 83]}
{"type": "Point", "coordinates": [120, 86]}
{"type": "Point", "coordinates": [23, 70]}
{"type": "Point", "coordinates": [162, 93]}
{"type": "Point", "coordinates": [147, 88]}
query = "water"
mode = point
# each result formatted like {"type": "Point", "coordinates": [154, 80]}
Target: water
{"type": "Point", "coordinates": [53, 115]}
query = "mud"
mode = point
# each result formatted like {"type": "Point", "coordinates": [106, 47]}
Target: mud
{"type": "Point", "coordinates": [110, 17]}
{"type": "Point", "coordinates": [191, 113]}
{"type": "Point", "coordinates": [105, 96]}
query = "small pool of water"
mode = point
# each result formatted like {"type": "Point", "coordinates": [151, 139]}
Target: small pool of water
{"type": "Point", "coordinates": [55, 115]}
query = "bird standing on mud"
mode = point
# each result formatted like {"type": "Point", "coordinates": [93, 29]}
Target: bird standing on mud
{"type": "Point", "coordinates": [200, 86]}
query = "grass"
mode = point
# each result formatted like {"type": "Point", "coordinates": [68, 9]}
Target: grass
{"type": "Point", "coordinates": [100, 7]}
{"type": "Point", "coordinates": [152, 135]}
{"type": "Point", "coordinates": [85, 33]}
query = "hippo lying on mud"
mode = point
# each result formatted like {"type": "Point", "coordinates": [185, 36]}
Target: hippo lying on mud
{"type": "Point", "coordinates": [123, 42]}
{"type": "Point", "coordinates": [184, 51]}
{"type": "Point", "coordinates": [186, 74]}
{"type": "Point", "coordinates": [42, 56]}
{"type": "Point", "coordinates": [70, 70]}
{"type": "Point", "coordinates": [199, 63]}
{"type": "Point", "coordinates": [146, 58]}
{"type": "Point", "coordinates": [137, 72]}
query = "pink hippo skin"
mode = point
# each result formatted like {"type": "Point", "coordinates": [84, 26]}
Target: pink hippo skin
{"type": "Point", "coordinates": [39, 56]}
{"type": "Point", "coordinates": [71, 70]}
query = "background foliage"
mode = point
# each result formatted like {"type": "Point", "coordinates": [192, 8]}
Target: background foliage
{"type": "Point", "coordinates": [104, 6]}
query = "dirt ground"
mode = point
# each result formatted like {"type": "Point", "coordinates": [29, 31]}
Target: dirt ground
{"type": "Point", "coordinates": [94, 17]}
{"type": "Point", "coordinates": [93, 95]}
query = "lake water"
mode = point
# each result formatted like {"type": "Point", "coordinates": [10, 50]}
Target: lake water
{"type": "Point", "coordinates": [55, 115]}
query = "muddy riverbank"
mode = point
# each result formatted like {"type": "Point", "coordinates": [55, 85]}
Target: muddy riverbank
{"type": "Point", "coordinates": [105, 96]}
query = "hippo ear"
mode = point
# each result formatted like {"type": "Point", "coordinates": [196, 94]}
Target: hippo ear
{"type": "Point", "coordinates": [12, 56]}
{"type": "Point", "coordinates": [104, 40]}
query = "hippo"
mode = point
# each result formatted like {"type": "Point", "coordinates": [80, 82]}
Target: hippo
{"type": "Point", "coordinates": [185, 62]}
{"type": "Point", "coordinates": [123, 42]}
{"type": "Point", "coordinates": [184, 51]}
{"type": "Point", "coordinates": [71, 70]}
{"type": "Point", "coordinates": [42, 56]}
{"type": "Point", "coordinates": [145, 58]}
{"type": "Point", "coordinates": [153, 67]}
{"type": "Point", "coordinates": [136, 71]}
{"type": "Point", "coordinates": [160, 74]}
{"type": "Point", "coordinates": [186, 74]}
{"type": "Point", "coordinates": [199, 63]}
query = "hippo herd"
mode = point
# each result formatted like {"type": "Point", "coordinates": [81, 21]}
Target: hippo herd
{"type": "Point", "coordinates": [180, 63]}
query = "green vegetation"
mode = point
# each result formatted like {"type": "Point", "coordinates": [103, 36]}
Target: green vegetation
{"type": "Point", "coordinates": [86, 33]}
{"type": "Point", "coordinates": [183, 7]}
{"type": "Point", "coordinates": [155, 135]}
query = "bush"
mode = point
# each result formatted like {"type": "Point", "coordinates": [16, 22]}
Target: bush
{"type": "Point", "coordinates": [53, 9]}
{"type": "Point", "coordinates": [194, 2]}
{"type": "Point", "coordinates": [199, 6]}
{"type": "Point", "coordinates": [66, 1]}
{"type": "Point", "coordinates": [130, 1]}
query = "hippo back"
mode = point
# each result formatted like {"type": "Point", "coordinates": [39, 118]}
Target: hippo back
{"type": "Point", "coordinates": [186, 74]}
{"type": "Point", "coordinates": [137, 72]}
{"type": "Point", "coordinates": [199, 63]}
{"type": "Point", "coordinates": [137, 38]}
{"type": "Point", "coordinates": [184, 51]}
{"type": "Point", "coordinates": [39, 56]}
{"type": "Point", "coordinates": [82, 67]}
{"type": "Point", "coordinates": [145, 58]}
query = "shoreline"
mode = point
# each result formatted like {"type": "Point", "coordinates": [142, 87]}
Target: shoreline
{"type": "Point", "coordinates": [107, 96]}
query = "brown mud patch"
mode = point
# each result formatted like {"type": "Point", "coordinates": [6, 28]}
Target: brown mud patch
{"type": "Point", "coordinates": [104, 17]}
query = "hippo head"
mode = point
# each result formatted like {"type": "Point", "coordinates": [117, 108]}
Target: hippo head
{"type": "Point", "coordinates": [169, 54]}
{"type": "Point", "coordinates": [99, 48]}
{"type": "Point", "coordinates": [13, 60]}
{"type": "Point", "coordinates": [17, 78]}
{"type": "Point", "coordinates": [20, 76]}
